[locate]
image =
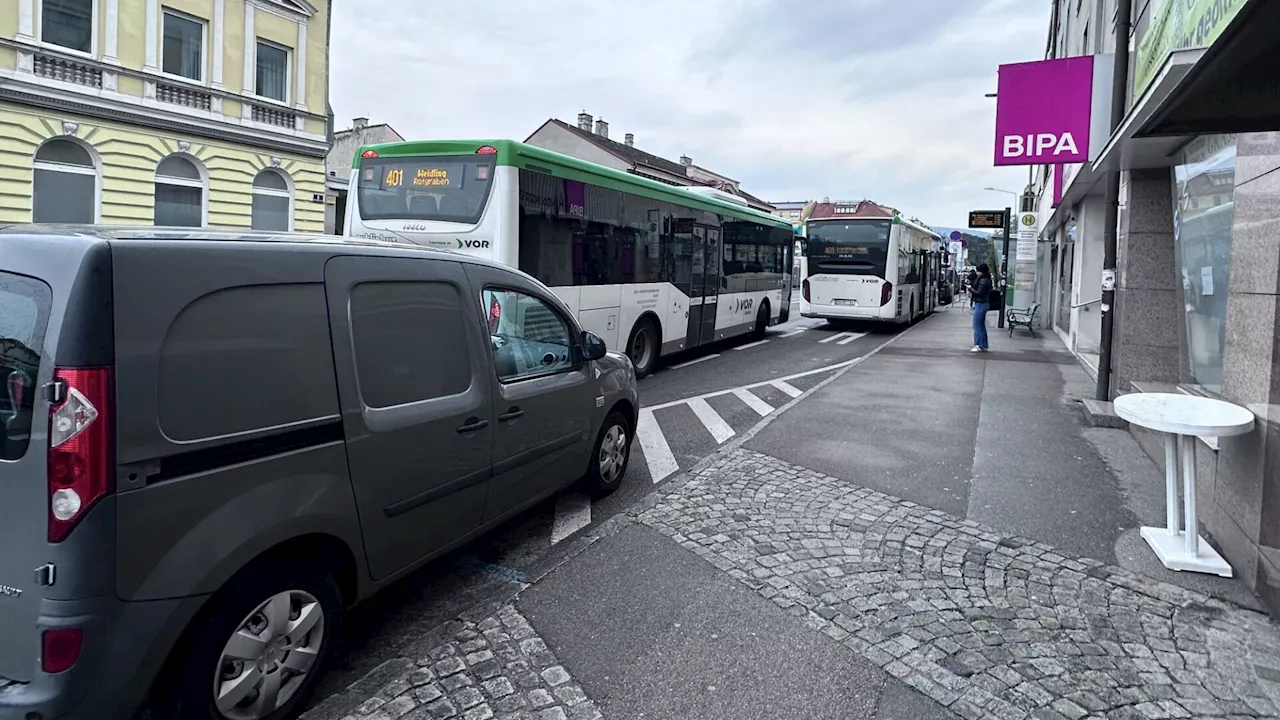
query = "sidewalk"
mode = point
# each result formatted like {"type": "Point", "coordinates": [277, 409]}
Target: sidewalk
{"type": "Point", "coordinates": [933, 534]}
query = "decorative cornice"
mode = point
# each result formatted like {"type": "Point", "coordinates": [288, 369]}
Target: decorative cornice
{"type": "Point", "coordinates": [141, 118]}
{"type": "Point", "coordinates": [298, 11]}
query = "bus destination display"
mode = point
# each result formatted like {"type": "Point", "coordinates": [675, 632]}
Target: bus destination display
{"type": "Point", "coordinates": [431, 177]}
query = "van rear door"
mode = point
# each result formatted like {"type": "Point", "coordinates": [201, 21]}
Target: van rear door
{"type": "Point", "coordinates": [43, 286]}
{"type": "Point", "coordinates": [25, 303]}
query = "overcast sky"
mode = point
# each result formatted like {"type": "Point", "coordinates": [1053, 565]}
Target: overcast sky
{"type": "Point", "coordinates": [797, 99]}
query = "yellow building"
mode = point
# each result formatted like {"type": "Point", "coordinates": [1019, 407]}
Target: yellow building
{"type": "Point", "coordinates": [172, 112]}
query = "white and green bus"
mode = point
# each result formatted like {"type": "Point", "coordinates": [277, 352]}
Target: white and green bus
{"type": "Point", "coordinates": [651, 268]}
{"type": "Point", "coordinates": [877, 269]}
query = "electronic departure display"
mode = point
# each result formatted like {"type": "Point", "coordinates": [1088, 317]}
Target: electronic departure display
{"type": "Point", "coordinates": [987, 219]}
{"type": "Point", "coordinates": [419, 176]}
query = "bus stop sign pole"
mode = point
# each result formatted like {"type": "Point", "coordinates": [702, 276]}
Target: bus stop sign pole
{"type": "Point", "coordinates": [1004, 264]}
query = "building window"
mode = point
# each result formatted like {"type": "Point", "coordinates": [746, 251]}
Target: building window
{"type": "Point", "coordinates": [65, 184]}
{"type": "Point", "coordinates": [1203, 211]}
{"type": "Point", "coordinates": [68, 23]}
{"type": "Point", "coordinates": [273, 72]}
{"type": "Point", "coordinates": [272, 202]}
{"type": "Point", "coordinates": [179, 193]}
{"type": "Point", "coordinates": [183, 46]}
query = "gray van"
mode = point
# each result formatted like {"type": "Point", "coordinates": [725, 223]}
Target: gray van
{"type": "Point", "coordinates": [213, 444]}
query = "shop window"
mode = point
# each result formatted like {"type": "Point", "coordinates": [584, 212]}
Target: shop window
{"type": "Point", "coordinates": [1203, 186]}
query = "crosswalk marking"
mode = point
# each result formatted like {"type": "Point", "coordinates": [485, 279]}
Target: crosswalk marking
{"type": "Point", "coordinates": [751, 345]}
{"type": "Point", "coordinates": [761, 407]}
{"type": "Point", "coordinates": [795, 332]}
{"type": "Point", "coordinates": [573, 512]}
{"type": "Point", "coordinates": [657, 453]}
{"type": "Point", "coordinates": [787, 388]}
{"type": "Point", "coordinates": [695, 361]}
{"type": "Point", "coordinates": [837, 336]}
{"type": "Point", "coordinates": [715, 424]}
{"type": "Point", "coordinates": [851, 338]}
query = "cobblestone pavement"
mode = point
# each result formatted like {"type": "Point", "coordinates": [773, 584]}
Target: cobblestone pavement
{"type": "Point", "coordinates": [497, 668]}
{"type": "Point", "coordinates": [987, 625]}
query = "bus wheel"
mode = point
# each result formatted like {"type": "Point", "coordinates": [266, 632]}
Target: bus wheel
{"type": "Point", "coordinates": [762, 322]}
{"type": "Point", "coordinates": [643, 347]}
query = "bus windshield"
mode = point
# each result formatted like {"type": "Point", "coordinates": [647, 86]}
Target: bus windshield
{"type": "Point", "coordinates": [446, 188]}
{"type": "Point", "coordinates": [848, 248]}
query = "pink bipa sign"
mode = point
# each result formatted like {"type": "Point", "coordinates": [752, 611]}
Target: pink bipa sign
{"type": "Point", "coordinates": [1044, 111]}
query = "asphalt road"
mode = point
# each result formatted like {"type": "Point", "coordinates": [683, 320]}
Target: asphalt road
{"type": "Point", "coordinates": [690, 408]}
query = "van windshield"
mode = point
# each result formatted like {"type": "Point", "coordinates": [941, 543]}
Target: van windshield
{"type": "Point", "coordinates": [24, 313]}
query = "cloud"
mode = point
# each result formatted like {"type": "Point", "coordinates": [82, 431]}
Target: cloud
{"type": "Point", "coordinates": [841, 98]}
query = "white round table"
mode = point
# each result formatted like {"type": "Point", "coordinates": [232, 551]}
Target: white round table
{"type": "Point", "coordinates": [1182, 418]}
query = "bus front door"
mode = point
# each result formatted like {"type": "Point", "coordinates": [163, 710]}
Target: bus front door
{"type": "Point", "coordinates": [705, 294]}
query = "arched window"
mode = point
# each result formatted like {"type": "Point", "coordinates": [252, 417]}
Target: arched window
{"type": "Point", "coordinates": [180, 193]}
{"type": "Point", "coordinates": [272, 202]}
{"type": "Point", "coordinates": [64, 188]}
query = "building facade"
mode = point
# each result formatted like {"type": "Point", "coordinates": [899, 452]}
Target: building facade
{"type": "Point", "coordinates": [338, 166]}
{"type": "Point", "coordinates": [1197, 306]}
{"type": "Point", "coordinates": [589, 140]}
{"type": "Point", "coordinates": [195, 113]}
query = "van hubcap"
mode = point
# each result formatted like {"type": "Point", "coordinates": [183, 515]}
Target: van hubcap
{"type": "Point", "coordinates": [613, 454]}
{"type": "Point", "coordinates": [269, 656]}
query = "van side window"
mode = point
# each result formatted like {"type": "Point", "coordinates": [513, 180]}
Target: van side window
{"type": "Point", "coordinates": [410, 342]}
{"type": "Point", "coordinates": [529, 338]}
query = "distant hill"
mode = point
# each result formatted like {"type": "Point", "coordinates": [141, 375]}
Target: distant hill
{"type": "Point", "coordinates": [946, 231]}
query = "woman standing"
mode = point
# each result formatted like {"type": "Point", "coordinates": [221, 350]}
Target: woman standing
{"type": "Point", "coordinates": [980, 296]}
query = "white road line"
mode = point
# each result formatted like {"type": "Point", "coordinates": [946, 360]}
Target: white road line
{"type": "Point", "coordinates": [761, 407]}
{"type": "Point", "coordinates": [704, 358]}
{"type": "Point", "coordinates": [716, 393]}
{"type": "Point", "coordinates": [787, 388]}
{"type": "Point", "coordinates": [719, 429]}
{"type": "Point", "coordinates": [573, 512]}
{"type": "Point", "coordinates": [795, 332]}
{"type": "Point", "coordinates": [851, 338]}
{"type": "Point", "coordinates": [835, 337]}
{"type": "Point", "coordinates": [657, 453]}
{"type": "Point", "coordinates": [751, 345]}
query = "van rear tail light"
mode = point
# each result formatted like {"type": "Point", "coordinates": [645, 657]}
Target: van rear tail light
{"type": "Point", "coordinates": [886, 293]}
{"type": "Point", "coordinates": [804, 290]}
{"type": "Point", "coordinates": [60, 649]}
{"type": "Point", "coordinates": [79, 446]}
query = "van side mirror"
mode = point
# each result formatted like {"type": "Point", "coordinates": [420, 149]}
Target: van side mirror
{"type": "Point", "coordinates": [593, 347]}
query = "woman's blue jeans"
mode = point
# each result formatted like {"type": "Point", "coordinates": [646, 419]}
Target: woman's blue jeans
{"type": "Point", "coordinates": [980, 324]}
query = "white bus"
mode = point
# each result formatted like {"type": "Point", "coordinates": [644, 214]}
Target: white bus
{"type": "Point", "coordinates": [651, 268]}
{"type": "Point", "coordinates": [872, 268]}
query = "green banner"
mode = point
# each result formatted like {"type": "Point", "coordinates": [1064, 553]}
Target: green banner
{"type": "Point", "coordinates": [1179, 25]}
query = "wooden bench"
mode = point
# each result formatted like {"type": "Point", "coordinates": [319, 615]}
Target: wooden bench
{"type": "Point", "coordinates": [1022, 317]}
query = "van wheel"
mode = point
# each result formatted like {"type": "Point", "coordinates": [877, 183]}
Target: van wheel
{"type": "Point", "coordinates": [611, 455]}
{"type": "Point", "coordinates": [643, 347]}
{"type": "Point", "coordinates": [762, 322]}
{"type": "Point", "coordinates": [261, 651]}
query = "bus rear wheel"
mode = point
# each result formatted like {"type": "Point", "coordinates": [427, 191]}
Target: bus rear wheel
{"type": "Point", "coordinates": [762, 322]}
{"type": "Point", "coordinates": [643, 347]}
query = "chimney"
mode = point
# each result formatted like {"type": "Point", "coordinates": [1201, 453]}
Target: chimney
{"type": "Point", "coordinates": [629, 139]}
{"type": "Point", "coordinates": [360, 123]}
{"type": "Point", "coordinates": [685, 160]}
{"type": "Point", "coordinates": [602, 128]}
{"type": "Point", "coordinates": [584, 121]}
